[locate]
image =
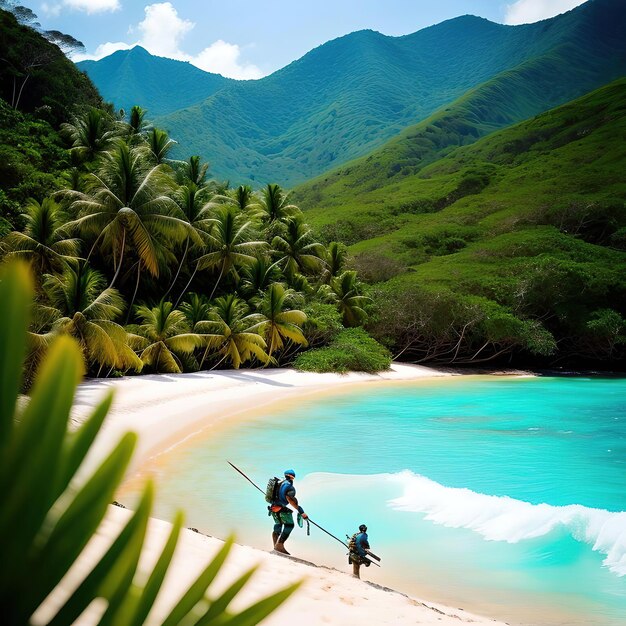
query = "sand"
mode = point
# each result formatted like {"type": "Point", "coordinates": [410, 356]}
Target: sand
{"type": "Point", "coordinates": [166, 409]}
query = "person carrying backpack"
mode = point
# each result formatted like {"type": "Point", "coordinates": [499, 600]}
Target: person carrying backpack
{"type": "Point", "coordinates": [285, 495]}
{"type": "Point", "coordinates": [358, 545]}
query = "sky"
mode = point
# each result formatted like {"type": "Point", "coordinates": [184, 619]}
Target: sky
{"type": "Point", "coordinates": [248, 39]}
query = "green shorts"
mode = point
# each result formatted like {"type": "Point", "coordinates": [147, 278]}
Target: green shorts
{"type": "Point", "coordinates": [283, 517]}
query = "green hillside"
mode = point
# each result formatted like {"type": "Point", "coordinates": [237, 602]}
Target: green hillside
{"type": "Point", "coordinates": [526, 227]}
{"type": "Point", "coordinates": [129, 77]}
{"type": "Point", "coordinates": [39, 88]}
{"type": "Point", "coordinates": [350, 95]}
{"type": "Point", "coordinates": [35, 76]}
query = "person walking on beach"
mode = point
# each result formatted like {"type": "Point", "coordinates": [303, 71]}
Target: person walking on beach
{"type": "Point", "coordinates": [358, 545]}
{"type": "Point", "coordinates": [282, 514]}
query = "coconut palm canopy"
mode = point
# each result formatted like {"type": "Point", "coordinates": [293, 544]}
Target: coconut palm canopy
{"type": "Point", "coordinates": [152, 266]}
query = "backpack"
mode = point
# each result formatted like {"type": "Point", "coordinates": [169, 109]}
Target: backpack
{"type": "Point", "coordinates": [352, 543]}
{"type": "Point", "coordinates": [272, 489]}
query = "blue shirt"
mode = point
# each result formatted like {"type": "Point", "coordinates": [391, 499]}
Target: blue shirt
{"type": "Point", "coordinates": [362, 544]}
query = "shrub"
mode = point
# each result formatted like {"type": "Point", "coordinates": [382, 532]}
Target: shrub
{"type": "Point", "coordinates": [323, 323]}
{"type": "Point", "coordinates": [373, 267]}
{"type": "Point", "coordinates": [352, 350]}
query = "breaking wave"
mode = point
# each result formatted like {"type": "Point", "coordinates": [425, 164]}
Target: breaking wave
{"type": "Point", "coordinates": [501, 518]}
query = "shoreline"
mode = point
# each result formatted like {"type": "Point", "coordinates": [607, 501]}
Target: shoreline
{"type": "Point", "coordinates": [166, 410]}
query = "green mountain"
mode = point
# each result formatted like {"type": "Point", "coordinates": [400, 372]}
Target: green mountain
{"type": "Point", "coordinates": [352, 94]}
{"type": "Point", "coordinates": [129, 77]}
{"type": "Point", "coordinates": [516, 242]}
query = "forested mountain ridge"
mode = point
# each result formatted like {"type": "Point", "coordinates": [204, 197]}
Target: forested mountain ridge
{"type": "Point", "coordinates": [349, 95]}
{"type": "Point", "coordinates": [129, 77]}
{"type": "Point", "coordinates": [520, 237]}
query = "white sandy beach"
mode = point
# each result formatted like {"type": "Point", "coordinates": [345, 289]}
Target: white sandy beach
{"type": "Point", "coordinates": [165, 410]}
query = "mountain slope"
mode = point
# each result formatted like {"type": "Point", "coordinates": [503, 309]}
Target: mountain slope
{"type": "Point", "coordinates": [348, 96]}
{"type": "Point", "coordinates": [35, 76]}
{"type": "Point", "coordinates": [514, 95]}
{"type": "Point", "coordinates": [521, 234]}
{"type": "Point", "coordinates": [129, 77]}
{"type": "Point", "coordinates": [39, 89]}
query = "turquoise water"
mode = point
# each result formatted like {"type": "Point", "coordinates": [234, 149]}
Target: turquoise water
{"type": "Point", "coordinates": [504, 496]}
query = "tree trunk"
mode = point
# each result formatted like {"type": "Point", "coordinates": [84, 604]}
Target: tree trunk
{"type": "Point", "coordinates": [218, 280]}
{"type": "Point", "coordinates": [180, 266]}
{"type": "Point", "coordinates": [119, 265]}
{"type": "Point", "coordinates": [130, 306]}
{"type": "Point", "coordinates": [19, 95]}
{"type": "Point", "coordinates": [184, 291]}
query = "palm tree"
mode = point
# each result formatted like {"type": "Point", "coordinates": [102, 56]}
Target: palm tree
{"type": "Point", "coordinates": [192, 171]}
{"type": "Point", "coordinates": [85, 309]}
{"type": "Point", "coordinates": [163, 336]}
{"type": "Point", "coordinates": [231, 332]}
{"type": "Point", "coordinates": [275, 206]}
{"type": "Point", "coordinates": [159, 145]}
{"type": "Point", "coordinates": [296, 250]}
{"type": "Point", "coordinates": [258, 276]}
{"type": "Point", "coordinates": [345, 292]}
{"type": "Point", "coordinates": [128, 200]}
{"type": "Point", "coordinates": [243, 197]}
{"type": "Point", "coordinates": [191, 199]}
{"type": "Point", "coordinates": [335, 257]}
{"type": "Point", "coordinates": [280, 324]}
{"type": "Point", "coordinates": [43, 241]}
{"type": "Point", "coordinates": [136, 128]}
{"type": "Point", "coordinates": [230, 244]}
{"type": "Point", "coordinates": [196, 309]}
{"type": "Point", "coordinates": [89, 133]}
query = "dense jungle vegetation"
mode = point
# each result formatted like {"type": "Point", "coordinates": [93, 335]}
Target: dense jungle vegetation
{"type": "Point", "coordinates": [143, 259]}
{"type": "Point", "coordinates": [150, 265]}
{"type": "Point", "coordinates": [512, 248]}
{"type": "Point", "coordinates": [509, 250]}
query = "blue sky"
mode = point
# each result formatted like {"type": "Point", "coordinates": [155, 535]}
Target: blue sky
{"type": "Point", "coordinates": [252, 38]}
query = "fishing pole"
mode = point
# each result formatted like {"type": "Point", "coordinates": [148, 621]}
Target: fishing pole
{"type": "Point", "coordinates": [310, 520]}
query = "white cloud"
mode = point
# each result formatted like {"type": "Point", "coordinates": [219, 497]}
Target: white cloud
{"type": "Point", "coordinates": [93, 6]}
{"type": "Point", "coordinates": [162, 33]}
{"type": "Point", "coordinates": [51, 10]}
{"type": "Point", "coordinates": [527, 11]}
{"type": "Point", "coordinates": [162, 30]}
{"type": "Point", "coordinates": [103, 50]}
{"type": "Point", "coordinates": [222, 57]}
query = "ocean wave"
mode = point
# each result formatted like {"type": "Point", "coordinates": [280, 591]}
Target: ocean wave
{"type": "Point", "coordinates": [501, 518]}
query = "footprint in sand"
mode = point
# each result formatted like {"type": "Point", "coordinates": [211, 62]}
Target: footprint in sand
{"type": "Point", "coordinates": [346, 600]}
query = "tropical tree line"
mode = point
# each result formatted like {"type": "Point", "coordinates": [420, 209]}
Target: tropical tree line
{"type": "Point", "coordinates": [152, 266]}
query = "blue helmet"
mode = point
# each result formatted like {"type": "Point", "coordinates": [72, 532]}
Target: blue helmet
{"type": "Point", "coordinates": [290, 472]}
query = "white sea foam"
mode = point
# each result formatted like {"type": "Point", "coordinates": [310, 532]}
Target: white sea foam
{"type": "Point", "coordinates": [496, 518]}
{"type": "Point", "coordinates": [507, 519]}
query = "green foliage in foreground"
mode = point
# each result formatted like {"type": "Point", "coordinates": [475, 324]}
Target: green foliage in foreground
{"type": "Point", "coordinates": [352, 350]}
{"type": "Point", "coordinates": [47, 516]}
{"type": "Point", "coordinates": [527, 223]}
